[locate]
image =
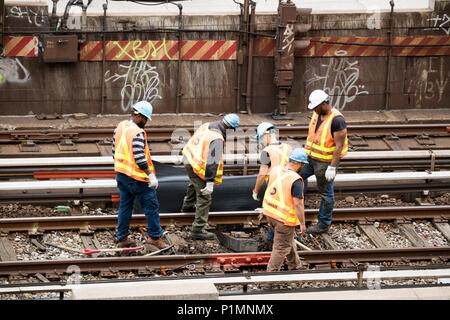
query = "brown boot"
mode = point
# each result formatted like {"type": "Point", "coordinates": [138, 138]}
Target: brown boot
{"type": "Point", "coordinates": [126, 243]}
{"type": "Point", "coordinates": [159, 243]}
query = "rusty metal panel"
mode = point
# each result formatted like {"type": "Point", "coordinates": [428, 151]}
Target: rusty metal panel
{"type": "Point", "coordinates": [26, 17]}
{"type": "Point", "coordinates": [60, 48]}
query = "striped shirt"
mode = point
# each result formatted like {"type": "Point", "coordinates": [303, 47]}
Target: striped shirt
{"type": "Point", "coordinates": [138, 150]}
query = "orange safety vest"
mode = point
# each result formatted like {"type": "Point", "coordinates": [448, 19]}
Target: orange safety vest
{"type": "Point", "coordinates": [123, 155]}
{"type": "Point", "coordinates": [278, 154]}
{"type": "Point", "coordinates": [278, 201]}
{"type": "Point", "coordinates": [196, 152]}
{"type": "Point", "coordinates": [320, 144]}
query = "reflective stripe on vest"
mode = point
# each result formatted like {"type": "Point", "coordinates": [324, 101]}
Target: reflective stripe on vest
{"type": "Point", "coordinates": [124, 157]}
{"type": "Point", "coordinates": [278, 154]}
{"type": "Point", "coordinates": [320, 144]}
{"type": "Point", "coordinates": [278, 201]}
{"type": "Point", "coordinates": [196, 152]}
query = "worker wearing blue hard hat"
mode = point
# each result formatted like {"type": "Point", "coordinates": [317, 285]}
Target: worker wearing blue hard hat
{"type": "Point", "coordinates": [203, 160]}
{"type": "Point", "coordinates": [325, 145]}
{"type": "Point", "coordinates": [136, 176]}
{"type": "Point", "coordinates": [284, 209]}
{"type": "Point", "coordinates": [274, 153]}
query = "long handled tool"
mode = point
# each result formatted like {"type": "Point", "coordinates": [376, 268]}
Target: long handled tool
{"type": "Point", "coordinates": [302, 245]}
{"type": "Point", "coordinates": [63, 247]}
{"type": "Point", "coordinates": [90, 251]}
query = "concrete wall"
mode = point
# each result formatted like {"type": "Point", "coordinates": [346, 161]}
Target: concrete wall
{"type": "Point", "coordinates": [356, 83]}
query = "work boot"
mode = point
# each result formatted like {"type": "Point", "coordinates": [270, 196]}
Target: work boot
{"type": "Point", "coordinates": [126, 243]}
{"type": "Point", "coordinates": [202, 235]}
{"type": "Point", "coordinates": [159, 243]}
{"type": "Point", "coordinates": [317, 229]}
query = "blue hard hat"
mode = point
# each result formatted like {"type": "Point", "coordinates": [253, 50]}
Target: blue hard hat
{"type": "Point", "coordinates": [145, 108]}
{"type": "Point", "coordinates": [262, 128]}
{"type": "Point", "coordinates": [231, 120]}
{"type": "Point", "coordinates": [299, 155]}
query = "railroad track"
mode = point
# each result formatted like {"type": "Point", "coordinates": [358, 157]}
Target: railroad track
{"type": "Point", "coordinates": [103, 166]}
{"type": "Point", "coordinates": [232, 262]}
{"type": "Point", "coordinates": [97, 142]}
{"type": "Point", "coordinates": [251, 217]}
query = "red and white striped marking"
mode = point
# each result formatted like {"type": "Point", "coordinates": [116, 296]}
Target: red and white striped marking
{"type": "Point", "coordinates": [266, 47]}
{"type": "Point", "coordinates": [21, 46]}
{"type": "Point", "coordinates": [159, 50]}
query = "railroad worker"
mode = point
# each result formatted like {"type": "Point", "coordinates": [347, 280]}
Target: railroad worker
{"type": "Point", "coordinates": [135, 176]}
{"type": "Point", "coordinates": [283, 206]}
{"type": "Point", "coordinates": [274, 154]}
{"type": "Point", "coordinates": [326, 145]}
{"type": "Point", "coordinates": [203, 160]}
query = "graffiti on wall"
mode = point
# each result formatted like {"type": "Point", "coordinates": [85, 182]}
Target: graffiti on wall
{"type": "Point", "coordinates": [140, 82]}
{"type": "Point", "coordinates": [32, 14]}
{"type": "Point", "coordinates": [441, 23]}
{"type": "Point", "coordinates": [339, 79]}
{"type": "Point", "coordinates": [13, 71]}
{"type": "Point", "coordinates": [430, 83]}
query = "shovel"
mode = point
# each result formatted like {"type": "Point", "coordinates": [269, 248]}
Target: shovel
{"type": "Point", "coordinates": [90, 251]}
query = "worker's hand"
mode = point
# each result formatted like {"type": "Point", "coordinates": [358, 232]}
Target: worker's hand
{"type": "Point", "coordinates": [255, 196]}
{"type": "Point", "coordinates": [330, 174]}
{"type": "Point", "coordinates": [208, 189]}
{"type": "Point", "coordinates": [153, 181]}
{"type": "Point", "coordinates": [302, 228]}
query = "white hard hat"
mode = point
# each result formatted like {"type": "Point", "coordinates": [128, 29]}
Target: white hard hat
{"type": "Point", "coordinates": [317, 97]}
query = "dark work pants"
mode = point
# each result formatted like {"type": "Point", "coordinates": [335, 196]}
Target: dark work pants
{"type": "Point", "coordinates": [195, 200]}
{"type": "Point", "coordinates": [131, 189]}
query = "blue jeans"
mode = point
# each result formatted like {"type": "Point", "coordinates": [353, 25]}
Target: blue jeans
{"type": "Point", "coordinates": [326, 189]}
{"type": "Point", "coordinates": [129, 190]}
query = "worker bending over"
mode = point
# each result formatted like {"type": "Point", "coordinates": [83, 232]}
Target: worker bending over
{"type": "Point", "coordinates": [274, 154]}
{"type": "Point", "coordinates": [203, 160]}
{"type": "Point", "coordinates": [283, 206]}
{"type": "Point", "coordinates": [326, 145]}
{"type": "Point", "coordinates": [135, 176]}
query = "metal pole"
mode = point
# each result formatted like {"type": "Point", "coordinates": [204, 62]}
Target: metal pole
{"type": "Point", "coordinates": [248, 96]}
{"type": "Point", "coordinates": [387, 89]}
{"type": "Point", "coordinates": [180, 27]}
{"type": "Point", "coordinates": [239, 61]}
{"type": "Point", "coordinates": [105, 7]}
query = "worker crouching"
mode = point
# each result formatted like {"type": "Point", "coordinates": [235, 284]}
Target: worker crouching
{"type": "Point", "coordinates": [283, 206]}
{"type": "Point", "coordinates": [136, 176]}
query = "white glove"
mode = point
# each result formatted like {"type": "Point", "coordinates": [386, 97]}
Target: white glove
{"type": "Point", "coordinates": [153, 181]}
{"type": "Point", "coordinates": [330, 173]}
{"type": "Point", "coordinates": [208, 189]}
{"type": "Point", "coordinates": [255, 196]}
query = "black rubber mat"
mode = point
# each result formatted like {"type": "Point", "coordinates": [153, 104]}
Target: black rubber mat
{"type": "Point", "coordinates": [234, 194]}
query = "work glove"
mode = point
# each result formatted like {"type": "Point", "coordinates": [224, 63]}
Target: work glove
{"type": "Point", "coordinates": [255, 196]}
{"type": "Point", "coordinates": [330, 174]}
{"type": "Point", "coordinates": [153, 181]}
{"type": "Point", "coordinates": [208, 189]}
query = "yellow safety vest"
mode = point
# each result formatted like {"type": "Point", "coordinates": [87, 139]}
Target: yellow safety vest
{"type": "Point", "coordinates": [320, 144]}
{"type": "Point", "coordinates": [278, 202]}
{"type": "Point", "coordinates": [124, 161]}
{"type": "Point", "coordinates": [196, 152]}
{"type": "Point", "coordinates": [278, 154]}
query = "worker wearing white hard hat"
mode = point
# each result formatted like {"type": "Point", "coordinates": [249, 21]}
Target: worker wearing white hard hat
{"type": "Point", "coordinates": [326, 145]}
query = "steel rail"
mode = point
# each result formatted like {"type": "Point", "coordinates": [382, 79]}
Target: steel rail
{"type": "Point", "coordinates": [112, 196]}
{"type": "Point", "coordinates": [250, 259]}
{"type": "Point", "coordinates": [164, 134]}
{"type": "Point", "coordinates": [34, 224]}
